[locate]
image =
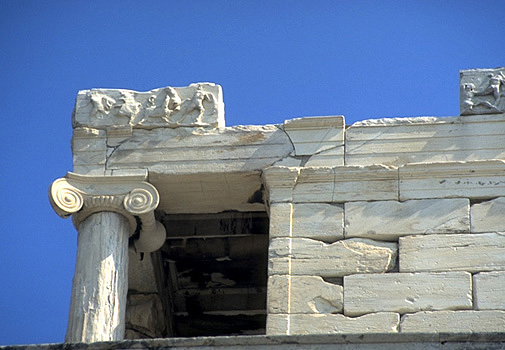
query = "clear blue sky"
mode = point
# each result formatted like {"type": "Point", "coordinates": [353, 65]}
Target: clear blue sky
{"type": "Point", "coordinates": [276, 60]}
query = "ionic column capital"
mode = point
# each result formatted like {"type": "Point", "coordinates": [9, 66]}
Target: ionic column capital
{"type": "Point", "coordinates": [80, 196]}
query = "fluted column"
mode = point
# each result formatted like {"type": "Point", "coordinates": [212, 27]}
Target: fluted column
{"type": "Point", "coordinates": [106, 211]}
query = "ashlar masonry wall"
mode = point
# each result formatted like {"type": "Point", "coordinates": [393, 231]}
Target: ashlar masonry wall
{"type": "Point", "coordinates": [408, 235]}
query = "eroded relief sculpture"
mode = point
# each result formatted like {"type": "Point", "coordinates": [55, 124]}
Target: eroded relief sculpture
{"type": "Point", "coordinates": [482, 91]}
{"type": "Point", "coordinates": [198, 105]}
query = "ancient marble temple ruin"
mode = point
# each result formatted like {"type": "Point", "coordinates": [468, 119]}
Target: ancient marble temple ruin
{"type": "Point", "coordinates": [387, 231]}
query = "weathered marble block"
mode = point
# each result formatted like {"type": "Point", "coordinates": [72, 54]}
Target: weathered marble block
{"type": "Point", "coordinates": [460, 252]}
{"type": "Point", "coordinates": [318, 221]}
{"type": "Point", "coordinates": [473, 179]}
{"type": "Point", "coordinates": [399, 141]}
{"type": "Point", "coordinates": [303, 295]}
{"type": "Point", "coordinates": [407, 292]}
{"type": "Point", "coordinates": [466, 321]}
{"type": "Point", "coordinates": [384, 322]}
{"type": "Point", "coordinates": [89, 150]}
{"type": "Point", "coordinates": [144, 315]}
{"type": "Point", "coordinates": [302, 256]}
{"type": "Point", "coordinates": [194, 150]}
{"type": "Point", "coordinates": [489, 290]}
{"type": "Point", "coordinates": [481, 91]}
{"type": "Point", "coordinates": [311, 135]}
{"type": "Point", "coordinates": [488, 216]}
{"type": "Point", "coordinates": [197, 105]}
{"type": "Point", "coordinates": [280, 215]}
{"type": "Point", "coordinates": [279, 182]}
{"type": "Point", "coordinates": [388, 220]}
{"type": "Point", "coordinates": [348, 183]}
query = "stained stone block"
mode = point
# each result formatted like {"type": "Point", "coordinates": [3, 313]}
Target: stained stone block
{"type": "Point", "coordinates": [312, 135]}
{"type": "Point", "coordinates": [348, 183]}
{"type": "Point", "coordinates": [407, 292]}
{"type": "Point", "coordinates": [194, 150]}
{"type": "Point", "coordinates": [383, 322]}
{"type": "Point", "coordinates": [488, 216]}
{"type": "Point", "coordinates": [453, 322]}
{"type": "Point", "coordinates": [399, 141]}
{"type": "Point", "coordinates": [489, 290]}
{"type": "Point", "coordinates": [388, 220]}
{"type": "Point", "coordinates": [318, 221]}
{"type": "Point", "coordinates": [473, 179]}
{"type": "Point", "coordinates": [303, 294]}
{"type": "Point", "coordinates": [461, 252]}
{"type": "Point", "coordinates": [144, 314]}
{"type": "Point", "coordinates": [302, 256]}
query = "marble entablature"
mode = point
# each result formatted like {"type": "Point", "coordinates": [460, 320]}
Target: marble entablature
{"type": "Point", "coordinates": [397, 207]}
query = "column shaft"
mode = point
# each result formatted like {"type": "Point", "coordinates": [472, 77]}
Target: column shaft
{"type": "Point", "coordinates": [100, 284]}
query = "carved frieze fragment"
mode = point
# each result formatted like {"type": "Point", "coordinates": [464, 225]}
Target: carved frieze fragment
{"type": "Point", "coordinates": [197, 105]}
{"type": "Point", "coordinates": [482, 91]}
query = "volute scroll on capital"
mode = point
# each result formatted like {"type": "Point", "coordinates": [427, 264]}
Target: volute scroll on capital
{"type": "Point", "coordinates": [80, 196]}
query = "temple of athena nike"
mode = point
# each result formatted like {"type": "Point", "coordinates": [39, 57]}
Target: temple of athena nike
{"type": "Point", "coordinates": [312, 234]}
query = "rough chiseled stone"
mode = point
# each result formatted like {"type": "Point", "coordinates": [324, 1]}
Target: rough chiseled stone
{"type": "Point", "coordinates": [488, 216]}
{"type": "Point", "coordinates": [466, 321]}
{"type": "Point", "coordinates": [407, 292]}
{"type": "Point", "coordinates": [383, 322]}
{"type": "Point", "coordinates": [302, 256]}
{"type": "Point", "coordinates": [303, 295]}
{"type": "Point", "coordinates": [489, 290]}
{"type": "Point", "coordinates": [472, 179]}
{"type": "Point", "coordinates": [144, 315]}
{"type": "Point", "coordinates": [388, 220]}
{"type": "Point", "coordinates": [460, 252]}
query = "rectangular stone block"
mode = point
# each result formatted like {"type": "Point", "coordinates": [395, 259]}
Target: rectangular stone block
{"type": "Point", "coordinates": [348, 183]}
{"type": "Point", "coordinates": [453, 322]}
{"type": "Point", "coordinates": [388, 220]}
{"type": "Point", "coordinates": [89, 150]}
{"type": "Point", "coordinates": [302, 256]}
{"type": "Point", "coordinates": [489, 290]}
{"type": "Point", "coordinates": [303, 295]}
{"type": "Point", "coordinates": [407, 292]}
{"type": "Point", "coordinates": [186, 150]}
{"type": "Point", "coordinates": [312, 135]}
{"type": "Point", "coordinates": [279, 182]}
{"type": "Point", "coordinates": [280, 220]}
{"type": "Point", "coordinates": [282, 324]}
{"type": "Point", "coordinates": [460, 252]}
{"type": "Point", "coordinates": [318, 221]}
{"type": "Point", "coordinates": [331, 157]}
{"type": "Point", "coordinates": [399, 141]}
{"type": "Point", "coordinates": [473, 179]}
{"type": "Point", "coordinates": [488, 216]}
